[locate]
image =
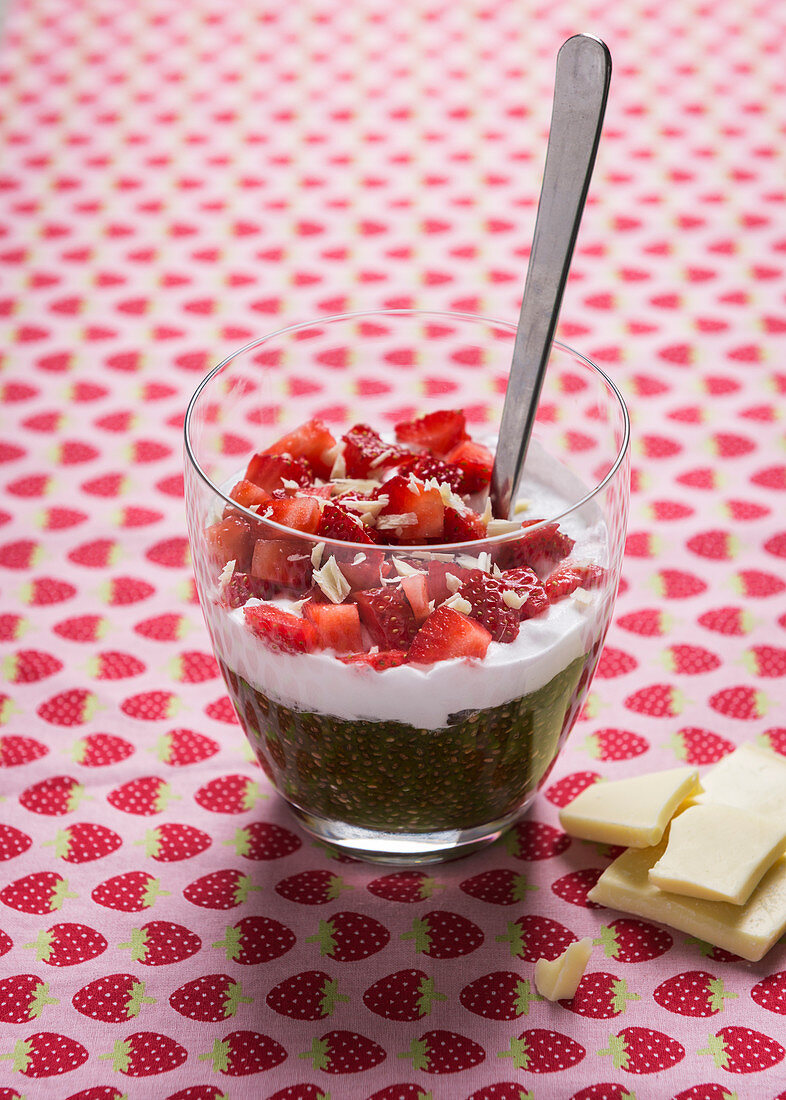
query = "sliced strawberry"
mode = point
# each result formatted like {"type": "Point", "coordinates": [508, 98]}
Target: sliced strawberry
{"type": "Point", "coordinates": [387, 615]}
{"type": "Point", "coordinates": [413, 513]}
{"type": "Point", "coordinates": [248, 494]}
{"type": "Point", "coordinates": [271, 471]}
{"type": "Point", "coordinates": [525, 582]}
{"type": "Point", "coordinates": [437, 584]}
{"type": "Point", "coordinates": [301, 513]}
{"type": "Point", "coordinates": [242, 587]}
{"type": "Point", "coordinates": [538, 549]}
{"type": "Point", "coordinates": [362, 569]}
{"type": "Point", "coordinates": [446, 634]}
{"type": "Point", "coordinates": [566, 578]}
{"type": "Point", "coordinates": [437, 432]}
{"type": "Point", "coordinates": [310, 441]}
{"type": "Point", "coordinates": [282, 562]}
{"type": "Point", "coordinates": [428, 466]}
{"type": "Point", "coordinates": [415, 589]}
{"type": "Point", "coordinates": [489, 608]}
{"type": "Point", "coordinates": [338, 522]}
{"type": "Point", "coordinates": [279, 630]}
{"type": "Point", "coordinates": [230, 539]}
{"type": "Point", "coordinates": [475, 461]}
{"type": "Point", "coordinates": [366, 454]}
{"type": "Point", "coordinates": [337, 626]}
{"type": "Point", "coordinates": [385, 658]}
{"type": "Point", "coordinates": [466, 526]}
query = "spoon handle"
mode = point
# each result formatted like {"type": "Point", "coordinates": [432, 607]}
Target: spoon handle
{"type": "Point", "coordinates": [581, 88]}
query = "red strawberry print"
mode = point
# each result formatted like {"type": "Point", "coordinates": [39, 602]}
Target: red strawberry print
{"type": "Point", "coordinates": [311, 887]}
{"type": "Point", "coordinates": [770, 993]}
{"type": "Point", "coordinates": [223, 889]}
{"type": "Point", "coordinates": [407, 1091]}
{"type": "Point", "coordinates": [67, 944]}
{"type": "Point", "coordinates": [39, 892]}
{"type": "Point", "coordinates": [678, 584]}
{"type": "Point", "coordinates": [775, 739]}
{"type": "Point", "coordinates": [348, 936]}
{"type": "Point", "coordinates": [656, 701]}
{"type": "Point", "coordinates": [6, 943]}
{"type": "Point", "coordinates": [23, 998]}
{"type": "Point", "coordinates": [615, 744]}
{"type": "Point", "coordinates": [201, 1092]}
{"type": "Point", "coordinates": [46, 1054]}
{"type": "Point", "coordinates": [607, 1090]}
{"type": "Point", "coordinates": [533, 937]}
{"type": "Point", "coordinates": [500, 995]}
{"type": "Point", "coordinates": [262, 840]}
{"type": "Point", "coordinates": [143, 797]}
{"type": "Point", "coordinates": [229, 794]}
{"type": "Point", "coordinates": [708, 1090]}
{"type": "Point", "coordinates": [309, 995]}
{"type": "Point", "coordinates": [758, 584]}
{"type": "Point", "coordinates": [28, 666]}
{"type": "Point", "coordinates": [113, 999]}
{"type": "Point", "coordinates": [534, 840]}
{"type": "Point", "coordinates": [151, 706]}
{"type": "Point", "coordinates": [211, 998]}
{"type": "Point", "coordinates": [742, 702]}
{"type": "Point", "coordinates": [85, 841]}
{"type": "Point", "coordinates": [181, 747]}
{"type": "Point", "coordinates": [193, 667]}
{"type": "Point", "coordinates": [497, 887]}
{"type": "Point", "coordinates": [642, 1050]}
{"type": "Point", "coordinates": [690, 660]}
{"type": "Point", "coordinates": [600, 996]}
{"type": "Point", "coordinates": [692, 993]}
{"type": "Point", "coordinates": [172, 841]}
{"type": "Point", "coordinates": [12, 842]}
{"type": "Point", "coordinates": [629, 940]}
{"type": "Point", "coordinates": [743, 1050]}
{"type": "Point", "coordinates": [170, 627]}
{"type": "Point", "coordinates": [615, 662]}
{"type": "Point", "coordinates": [766, 660]}
{"type": "Point", "coordinates": [570, 786]}
{"type": "Point", "coordinates": [404, 995]}
{"type": "Point", "coordinates": [99, 750]}
{"type": "Point", "coordinates": [440, 934]}
{"type": "Point", "coordinates": [114, 665]}
{"type": "Point", "coordinates": [244, 1052]}
{"type": "Point", "coordinates": [575, 886]}
{"type": "Point", "coordinates": [129, 892]}
{"type": "Point", "coordinates": [16, 749]}
{"type": "Point", "coordinates": [699, 746]}
{"type": "Point", "coordinates": [222, 711]}
{"type": "Point", "coordinates": [540, 1050]}
{"type": "Point", "coordinates": [145, 1053]}
{"type": "Point", "coordinates": [444, 1052]}
{"type": "Point", "coordinates": [44, 591]}
{"type": "Point", "coordinates": [649, 622]}
{"type": "Point", "coordinates": [730, 621]}
{"type": "Point", "coordinates": [405, 886]}
{"type": "Point", "coordinates": [69, 708]}
{"type": "Point", "coordinates": [256, 940]}
{"type": "Point", "coordinates": [160, 942]}
{"type": "Point", "coordinates": [59, 794]}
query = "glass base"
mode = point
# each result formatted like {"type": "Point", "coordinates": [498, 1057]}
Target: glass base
{"type": "Point", "coordinates": [403, 849]}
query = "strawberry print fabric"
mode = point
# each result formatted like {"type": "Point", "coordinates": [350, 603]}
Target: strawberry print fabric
{"type": "Point", "coordinates": [179, 178]}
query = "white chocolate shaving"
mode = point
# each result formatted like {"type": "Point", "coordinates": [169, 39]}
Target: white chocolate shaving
{"type": "Point", "coordinates": [291, 485]}
{"type": "Point", "coordinates": [452, 582]}
{"type": "Point", "coordinates": [358, 559]}
{"type": "Point", "coordinates": [484, 561]}
{"type": "Point", "coordinates": [332, 581]}
{"type": "Point", "coordinates": [367, 508]}
{"type": "Point", "coordinates": [502, 527]}
{"type": "Point", "coordinates": [339, 467]}
{"type": "Point", "coordinates": [316, 554]}
{"type": "Point", "coordinates": [414, 484]}
{"type": "Point", "coordinates": [513, 599]}
{"type": "Point", "coordinates": [487, 513]}
{"type": "Point", "coordinates": [521, 505]}
{"type": "Point", "coordinates": [404, 569]}
{"type": "Point", "coordinates": [226, 576]}
{"type": "Point", "coordinates": [380, 459]}
{"type": "Point", "coordinates": [392, 521]}
{"type": "Point", "coordinates": [357, 485]}
{"type": "Point", "coordinates": [458, 603]}
{"type": "Point", "coordinates": [582, 597]}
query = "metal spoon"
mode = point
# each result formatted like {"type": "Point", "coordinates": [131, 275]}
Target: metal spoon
{"type": "Point", "coordinates": [581, 88]}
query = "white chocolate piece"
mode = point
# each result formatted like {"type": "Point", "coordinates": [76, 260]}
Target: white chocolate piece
{"type": "Point", "coordinates": [558, 979]}
{"type": "Point", "coordinates": [718, 852]}
{"type": "Point", "coordinates": [633, 812]}
{"type": "Point", "coordinates": [751, 778]}
{"type": "Point", "coordinates": [748, 930]}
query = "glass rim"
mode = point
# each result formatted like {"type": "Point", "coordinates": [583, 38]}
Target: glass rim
{"type": "Point", "coordinates": [432, 548]}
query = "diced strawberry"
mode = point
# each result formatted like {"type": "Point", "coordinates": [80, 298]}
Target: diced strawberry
{"type": "Point", "coordinates": [366, 453]}
{"type": "Point", "coordinates": [284, 562]}
{"type": "Point", "coordinates": [299, 513]}
{"type": "Point", "coordinates": [489, 608]}
{"type": "Point", "coordinates": [475, 461]}
{"type": "Point", "coordinates": [525, 582]}
{"type": "Point", "coordinates": [569, 576]}
{"type": "Point", "coordinates": [320, 492]}
{"type": "Point", "coordinates": [538, 549]}
{"type": "Point", "coordinates": [310, 441]}
{"type": "Point", "coordinates": [436, 582]}
{"type": "Point", "coordinates": [279, 630]}
{"type": "Point", "coordinates": [271, 471]}
{"type": "Point", "coordinates": [416, 591]}
{"type": "Point", "coordinates": [437, 432]}
{"type": "Point", "coordinates": [247, 494]}
{"type": "Point", "coordinates": [365, 573]}
{"type": "Point", "coordinates": [385, 658]}
{"type": "Point", "coordinates": [241, 588]}
{"type": "Point", "coordinates": [388, 617]}
{"type": "Point", "coordinates": [464, 526]}
{"type": "Point", "coordinates": [337, 625]}
{"type": "Point", "coordinates": [231, 539]}
{"type": "Point", "coordinates": [428, 466]}
{"type": "Point", "coordinates": [446, 634]}
{"type": "Point", "coordinates": [338, 522]}
{"type": "Point", "coordinates": [421, 510]}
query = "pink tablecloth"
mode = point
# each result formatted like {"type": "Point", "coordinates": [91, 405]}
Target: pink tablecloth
{"type": "Point", "coordinates": [177, 178]}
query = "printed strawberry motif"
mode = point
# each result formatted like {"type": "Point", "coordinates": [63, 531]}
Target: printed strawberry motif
{"type": "Point", "coordinates": [532, 840]}
{"type": "Point", "coordinates": [600, 996]}
{"type": "Point", "coordinates": [570, 786]}
{"type": "Point", "coordinates": [222, 711]}
{"type": "Point", "coordinates": [440, 934]}
{"type": "Point", "coordinates": [615, 662]}
{"type": "Point", "coordinates": [649, 622]}
{"type": "Point", "coordinates": [256, 940]}
{"type": "Point", "coordinates": [67, 944]}
{"type": "Point", "coordinates": [533, 937]}
{"type": "Point", "coordinates": [229, 794]}
{"type": "Point", "coordinates": [770, 993]}
{"type": "Point", "coordinates": [211, 999]}
{"type": "Point", "coordinates": [6, 943]}
{"type": "Point", "coordinates": [656, 701]}
{"type": "Point", "coordinates": [403, 995]}
{"type": "Point", "coordinates": [575, 886]}
{"type": "Point", "coordinates": [311, 887]}
{"type": "Point", "coordinates": [28, 666]}
{"type": "Point", "coordinates": [758, 584]}
{"type": "Point", "coordinates": [151, 706]}
{"type": "Point", "coordinates": [85, 841]}
{"type": "Point", "coordinates": [181, 747]}
{"type": "Point", "coordinates": [143, 797]}
{"type": "Point", "coordinates": [743, 1050]}
{"type": "Point", "coordinates": [265, 841]}
{"type": "Point", "coordinates": [114, 665]}
{"type": "Point", "coordinates": [709, 1090]}
{"type": "Point", "coordinates": [16, 750]}
{"type": "Point", "coordinates": [23, 998]}
{"type": "Point", "coordinates": [690, 660]}
{"type": "Point", "coordinates": [497, 887]}
{"type": "Point", "coordinates": [57, 795]}
{"type": "Point", "coordinates": [615, 744]}
{"type": "Point", "coordinates": [129, 892]}
{"type": "Point", "coordinates": [224, 889]}
{"type": "Point", "coordinates": [172, 842]}
{"type": "Point", "coordinates": [350, 936]}
{"type": "Point", "coordinates": [43, 591]}
{"type": "Point", "coordinates": [244, 1052]}
{"type": "Point", "coordinates": [406, 1091]}
{"type": "Point", "coordinates": [607, 1090]}
{"type": "Point", "coordinates": [731, 621]}
{"type": "Point", "coordinates": [12, 842]}
{"type": "Point", "coordinates": [99, 750]}
{"type": "Point", "coordinates": [39, 892]}
{"type": "Point", "coordinates": [405, 886]}
{"type": "Point", "coordinates": [444, 1052]}
{"type": "Point", "coordinates": [170, 627]}
{"type": "Point", "coordinates": [699, 746]}
{"type": "Point", "coordinates": [46, 1054]}
{"type": "Point", "coordinates": [145, 1053]}
{"type": "Point", "coordinates": [692, 993]}
{"type": "Point", "coordinates": [741, 701]}
{"type": "Point", "coordinates": [113, 999]}
{"type": "Point", "coordinates": [642, 1050]}
{"type": "Point", "coordinates": [629, 940]}
{"type": "Point", "coordinates": [540, 1050]}
{"type": "Point", "coordinates": [296, 1092]}
{"type": "Point", "coordinates": [501, 995]}
{"type": "Point", "coordinates": [765, 660]}
{"type": "Point", "coordinates": [310, 995]}
{"type": "Point", "coordinates": [69, 708]}
{"type": "Point", "coordinates": [774, 739]}
{"type": "Point", "coordinates": [678, 584]}
{"type": "Point", "coordinates": [160, 942]}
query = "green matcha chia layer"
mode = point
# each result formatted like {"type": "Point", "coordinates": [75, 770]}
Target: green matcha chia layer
{"type": "Point", "coordinates": [390, 776]}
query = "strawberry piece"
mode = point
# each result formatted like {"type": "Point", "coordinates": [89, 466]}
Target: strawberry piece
{"type": "Point", "coordinates": [242, 587]}
{"type": "Point", "coordinates": [475, 462]}
{"type": "Point", "coordinates": [525, 582]}
{"type": "Point", "coordinates": [387, 615]}
{"type": "Point", "coordinates": [489, 608]}
{"type": "Point", "coordinates": [279, 630]}
{"type": "Point", "coordinates": [415, 589]}
{"type": "Point", "coordinates": [283, 562]}
{"type": "Point", "coordinates": [301, 513]}
{"type": "Point", "coordinates": [566, 578]}
{"type": "Point", "coordinates": [413, 512]}
{"type": "Point", "coordinates": [310, 442]}
{"type": "Point", "coordinates": [388, 658]}
{"type": "Point", "coordinates": [270, 472]}
{"type": "Point", "coordinates": [230, 539]}
{"type": "Point", "coordinates": [249, 495]}
{"type": "Point", "coordinates": [464, 526]}
{"type": "Point", "coordinates": [437, 432]}
{"type": "Point", "coordinates": [366, 454]}
{"type": "Point", "coordinates": [338, 522]}
{"type": "Point", "coordinates": [436, 583]}
{"type": "Point", "coordinates": [337, 626]}
{"type": "Point", "coordinates": [428, 466]}
{"type": "Point", "coordinates": [362, 569]}
{"type": "Point", "coordinates": [447, 634]}
{"type": "Point", "coordinates": [538, 549]}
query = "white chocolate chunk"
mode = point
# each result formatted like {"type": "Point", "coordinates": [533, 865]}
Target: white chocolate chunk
{"type": "Point", "coordinates": [332, 581]}
{"type": "Point", "coordinates": [358, 485]}
{"type": "Point", "coordinates": [514, 601]}
{"type": "Point", "coordinates": [501, 527]}
{"type": "Point", "coordinates": [633, 811]}
{"type": "Point", "coordinates": [748, 930]}
{"type": "Point", "coordinates": [521, 505]}
{"type": "Point", "coordinates": [369, 509]}
{"type": "Point", "coordinates": [452, 582]}
{"type": "Point", "coordinates": [316, 554]}
{"type": "Point", "coordinates": [392, 521]}
{"type": "Point", "coordinates": [226, 576]}
{"type": "Point", "coordinates": [339, 468]}
{"type": "Point", "coordinates": [558, 979]}
{"type": "Point", "coordinates": [458, 603]}
{"type": "Point", "coordinates": [751, 778]}
{"type": "Point", "coordinates": [404, 569]}
{"type": "Point", "coordinates": [718, 852]}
